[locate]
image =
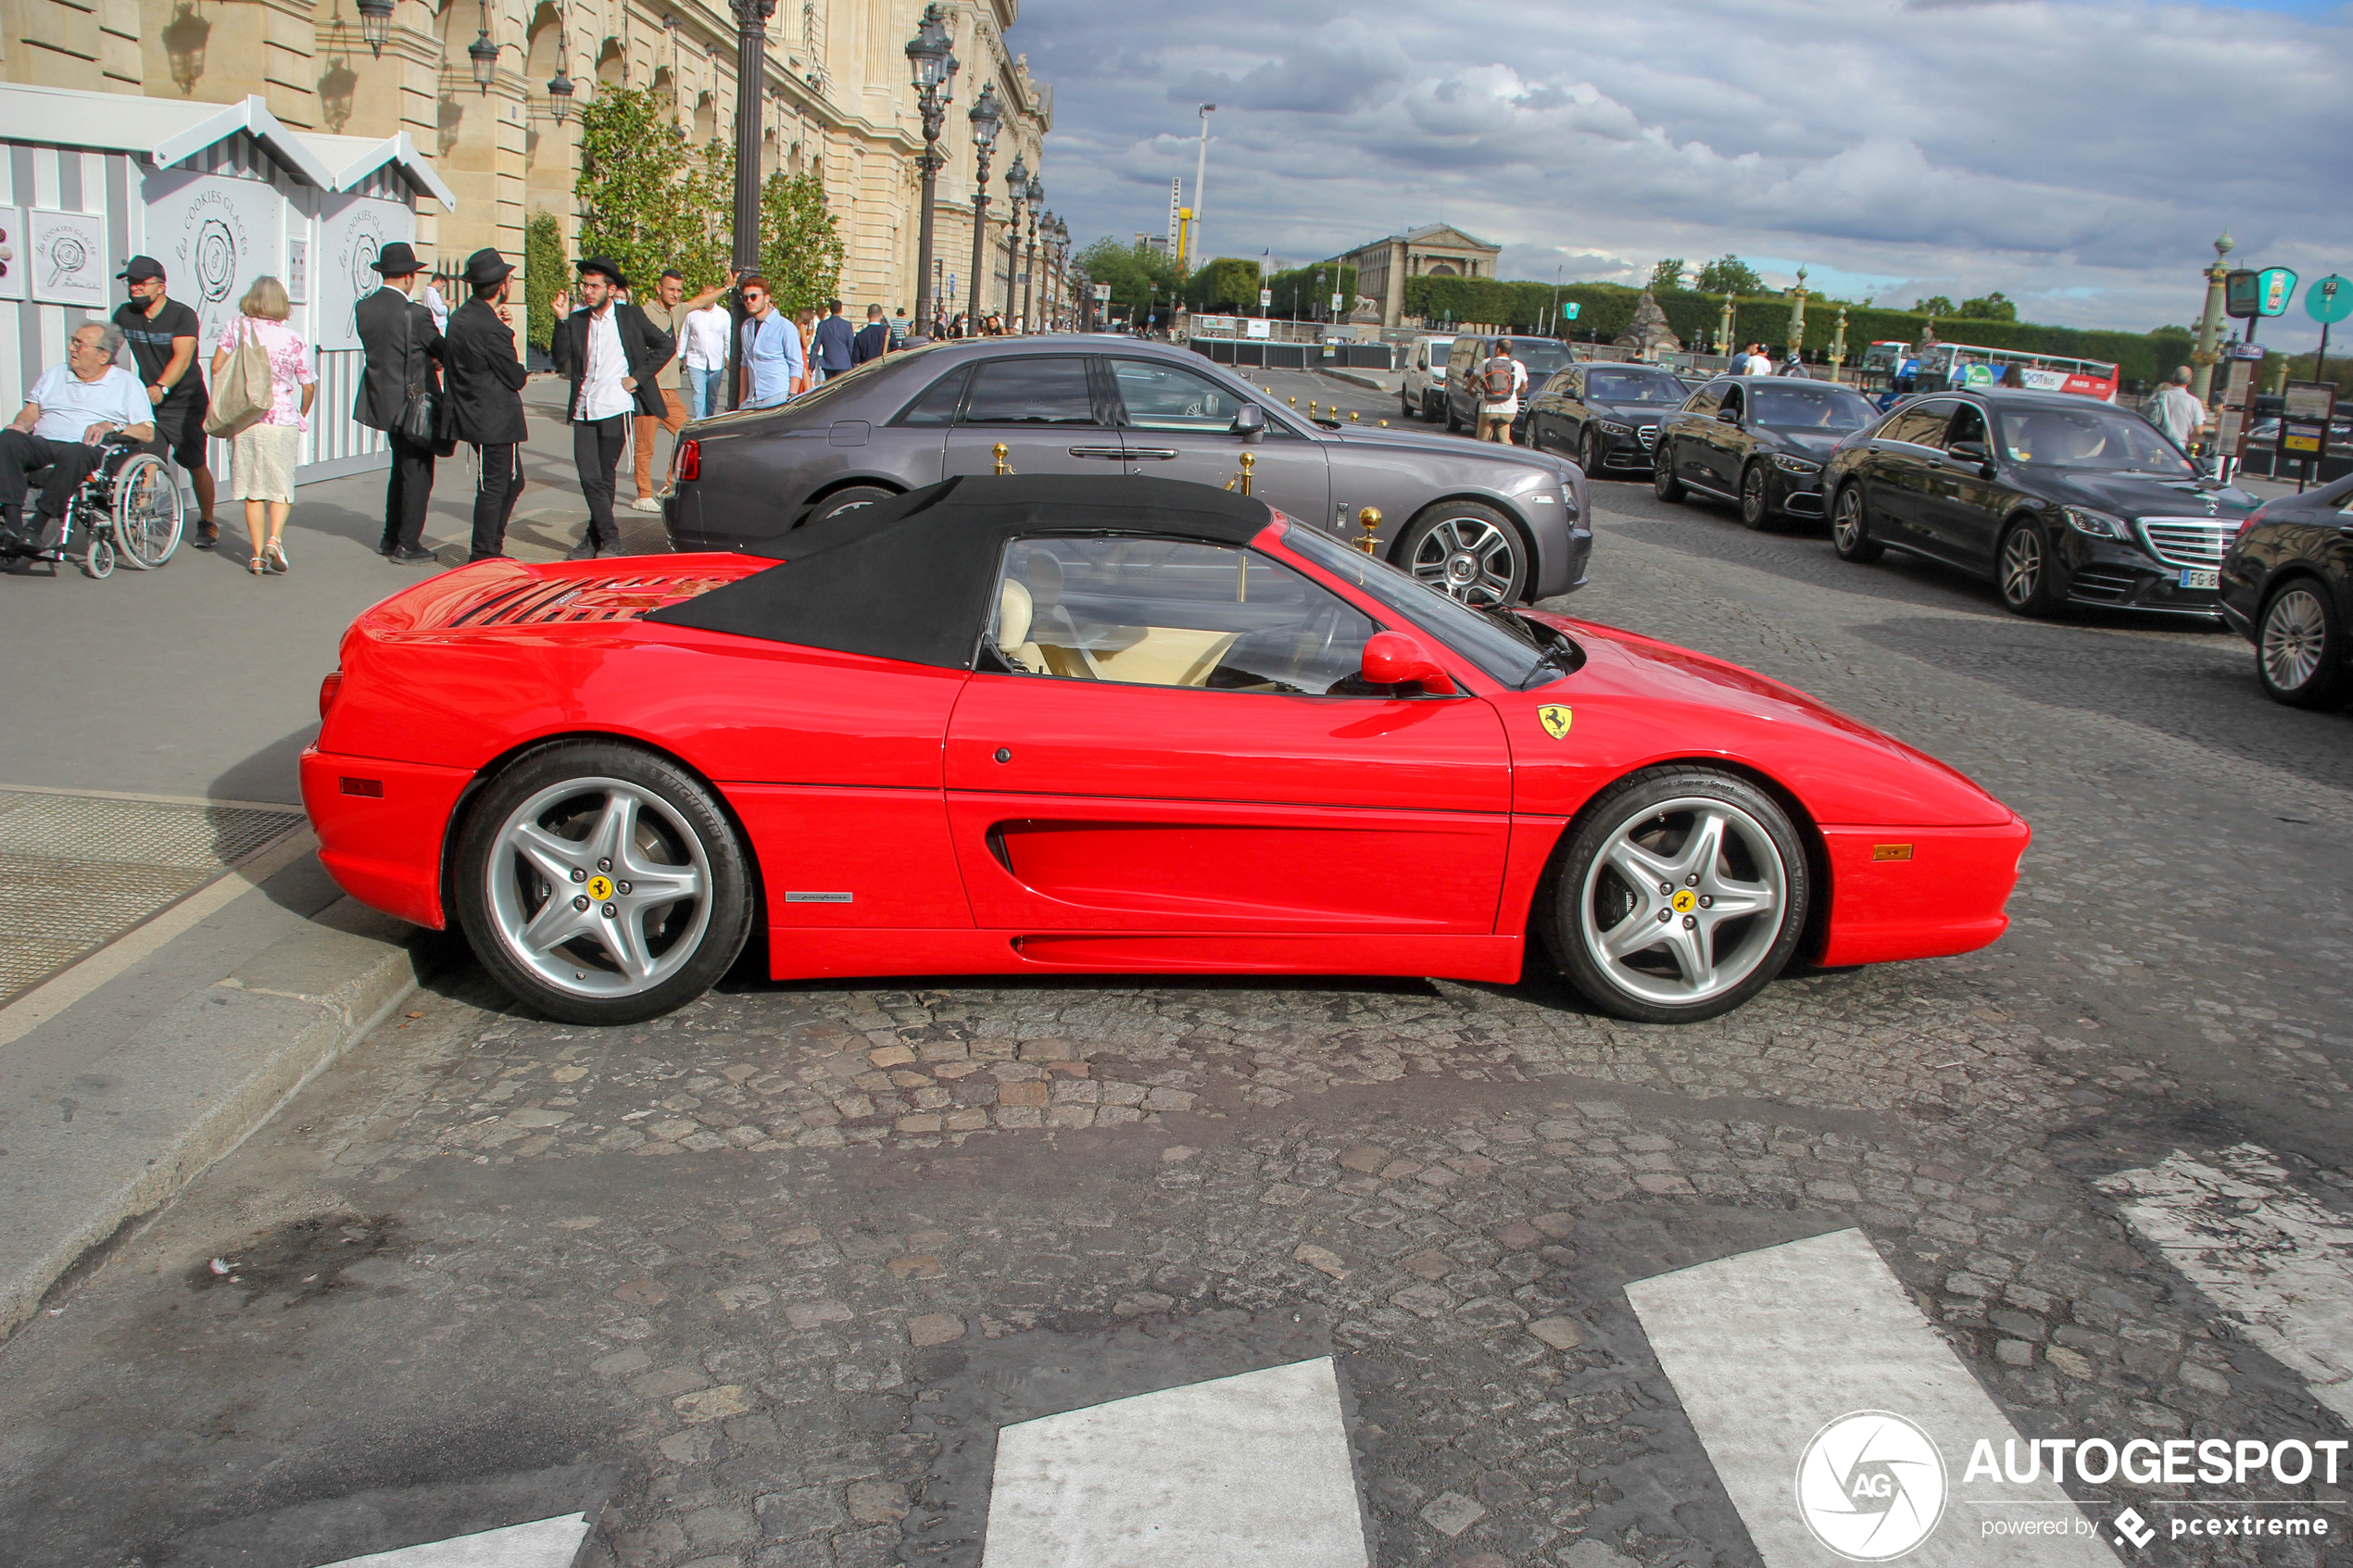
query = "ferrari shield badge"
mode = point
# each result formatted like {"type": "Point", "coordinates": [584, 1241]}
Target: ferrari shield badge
{"type": "Point", "coordinates": [1556, 720]}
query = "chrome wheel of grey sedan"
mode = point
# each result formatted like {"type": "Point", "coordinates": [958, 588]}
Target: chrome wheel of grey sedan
{"type": "Point", "coordinates": [1681, 894]}
{"type": "Point", "coordinates": [2300, 653]}
{"type": "Point", "coordinates": [1470, 551]}
{"type": "Point", "coordinates": [602, 884]}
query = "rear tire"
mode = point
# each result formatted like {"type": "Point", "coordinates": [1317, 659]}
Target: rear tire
{"type": "Point", "coordinates": [845, 499]}
{"type": "Point", "coordinates": [1664, 484]}
{"type": "Point", "coordinates": [1851, 528]}
{"type": "Point", "coordinates": [601, 884]}
{"type": "Point", "coordinates": [2022, 572]}
{"type": "Point", "coordinates": [2299, 649]}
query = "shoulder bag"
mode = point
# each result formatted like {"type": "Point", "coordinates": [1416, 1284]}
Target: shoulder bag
{"type": "Point", "coordinates": [242, 394]}
{"type": "Point", "coordinates": [421, 414]}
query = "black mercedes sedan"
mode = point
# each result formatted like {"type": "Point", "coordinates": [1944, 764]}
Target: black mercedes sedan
{"type": "Point", "coordinates": [1490, 524]}
{"type": "Point", "coordinates": [1605, 416]}
{"type": "Point", "coordinates": [2055, 497]}
{"type": "Point", "coordinates": [2287, 587]}
{"type": "Point", "coordinates": [1758, 442]}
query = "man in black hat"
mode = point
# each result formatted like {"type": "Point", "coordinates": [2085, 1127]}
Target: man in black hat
{"type": "Point", "coordinates": [403, 357]}
{"type": "Point", "coordinates": [162, 334]}
{"type": "Point", "coordinates": [485, 395]}
{"type": "Point", "coordinates": [614, 357]}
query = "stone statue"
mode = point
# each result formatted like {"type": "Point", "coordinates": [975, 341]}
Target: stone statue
{"type": "Point", "coordinates": [1648, 334]}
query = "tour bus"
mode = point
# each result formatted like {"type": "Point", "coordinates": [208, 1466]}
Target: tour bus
{"type": "Point", "coordinates": [2044, 372]}
{"type": "Point", "coordinates": [1885, 359]}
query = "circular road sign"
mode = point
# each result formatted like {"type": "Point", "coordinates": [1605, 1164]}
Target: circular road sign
{"type": "Point", "coordinates": [2329, 299]}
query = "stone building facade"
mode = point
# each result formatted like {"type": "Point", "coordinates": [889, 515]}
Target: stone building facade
{"type": "Point", "coordinates": [1438, 249]}
{"type": "Point", "coordinates": [836, 98]}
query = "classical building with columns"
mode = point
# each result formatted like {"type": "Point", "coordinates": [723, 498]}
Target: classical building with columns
{"type": "Point", "coordinates": [1436, 249]}
{"type": "Point", "coordinates": [835, 97]}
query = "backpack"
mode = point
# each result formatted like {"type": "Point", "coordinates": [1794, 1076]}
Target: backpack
{"type": "Point", "coordinates": [1495, 379]}
{"type": "Point", "coordinates": [242, 393]}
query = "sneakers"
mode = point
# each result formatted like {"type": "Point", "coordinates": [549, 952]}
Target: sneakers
{"type": "Point", "coordinates": [645, 504]}
{"type": "Point", "coordinates": [408, 557]}
{"type": "Point", "coordinates": [585, 551]}
{"type": "Point", "coordinates": [208, 536]}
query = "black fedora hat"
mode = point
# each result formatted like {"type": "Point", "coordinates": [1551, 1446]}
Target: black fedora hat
{"type": "Point", "coordinates": [396, 260]}
{"type": "Point", "coordinates": [600, 264]}
{"type": "Point", "coordinates": [486, 267]}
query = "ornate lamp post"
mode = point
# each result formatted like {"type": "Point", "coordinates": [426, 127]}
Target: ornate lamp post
{"type": "Point", "coordinates": [1838, 345]}
{"type": "Point", "coordinates": [1016, 185]}
{"type": "Point", "coordinates": [934, 73]}
{"type": "Point", "coordinates": [751, 53]}
{"type": "Point", "coordinates": [1724, 326]}
{"type": "Point", "coordinates": [1797, 315]}
{"type": "Point", "coordinates": [2209, 326]}
{"type": "Point", "coordinates": [985, 117]}
{"type": "Point", "coordinates": [1037, 203]}
{"type": "Point", "coordinates": [1060, 234]}
{"type": "Point", "coordinates": [375, 24]}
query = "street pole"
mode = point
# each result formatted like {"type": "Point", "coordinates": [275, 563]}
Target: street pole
{"type": "Point", "coordinates": [1797, 317]}
{"type": "Point", "coordinates": [1030, 291]}
{"type": "Point", "coordinates": [2209, 326]}
{"type": "Point", "coordinates": [934, 73]}
{"type": "Point", "coordinates": [1017, 187]}
{"type": "Point", "coordinates": [751, 53]}
{"type": "Point", "coordinates": [985, 118]}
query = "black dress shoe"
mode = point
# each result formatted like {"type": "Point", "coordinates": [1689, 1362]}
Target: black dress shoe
{"type": "Point", "coordinates": [585, 551]}
{"type": "Point", "coordinates": [409, 557]}
{"type": "Point", "coordinates": [385, 547]}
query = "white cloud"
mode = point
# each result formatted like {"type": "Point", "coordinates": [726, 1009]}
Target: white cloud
{"type": "Point", "coordinates": [2078, 155]}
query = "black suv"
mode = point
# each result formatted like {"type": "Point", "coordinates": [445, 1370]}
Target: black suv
{"type": "Point", "coordinates": [2287, 587]}
{"type": "Point", "coordinates": [1605, 416]}
{"type": "Point", "coordinates": [1542, 356]}
{"type": "Point", "coordinates": [1757, 441]}
{"type": "Point", "coordinates": [2055, 497]}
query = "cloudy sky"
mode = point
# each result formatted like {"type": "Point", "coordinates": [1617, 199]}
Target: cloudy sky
{"type": "Point", "coordinates": [2080, 156]}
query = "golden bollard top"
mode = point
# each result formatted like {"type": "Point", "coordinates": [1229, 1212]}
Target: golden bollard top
{"type": "Point", "coordinates": [1294, 402]}
{"type": "Point", "coordinates": [1370, 520]}
{"type": "Point", "coordinates": [1353, 420]}
{"type": "Point", "coordinates": [998, 452]}
{"type": "Point", "coordinates": [1311, 408]}
{"type": "Point", "coordinates": [1249, 460]}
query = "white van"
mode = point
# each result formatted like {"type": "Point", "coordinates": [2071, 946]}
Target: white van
{"type": "Point", "coordinates": [1424, 392]}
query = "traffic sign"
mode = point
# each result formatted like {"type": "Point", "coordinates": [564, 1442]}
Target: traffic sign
{"type": "Point", "coordinates": [2247, 293]}
{"type": "Point", "coordinates": [1266, 298]}
{"type": "Point", "coordinates": [2329, 299]}
{"type": "Point", "coordinates": [1569, 311]}
{"type": "Point", "coordinates": [1335, 305]}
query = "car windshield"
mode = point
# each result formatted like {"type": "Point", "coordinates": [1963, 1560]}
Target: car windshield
{"type": "Point", "coordinates": [1807, 407]}
{"type": "Point", "coordinates": [1506, 647]}
{"type": "Point", "coordinates": [1633, 386]}
{"type": "Point", "coordinates": [2094, 436]}
{"type": "Point", "coordinates": [1542, 355]}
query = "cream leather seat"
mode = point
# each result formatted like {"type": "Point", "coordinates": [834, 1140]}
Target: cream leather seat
{"type": "Point", "coordinates": [1016, 611]}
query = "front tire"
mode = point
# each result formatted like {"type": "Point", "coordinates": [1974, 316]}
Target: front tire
{"type": "Point", "coordinates": [1469, 550]}
{"type": "Point", "coordinates": [2299, 651]}
{"type": "Point", "coordinates": [1851, 528]}
{"type": "Point", "coordinates": [602, 884]}
{"type": "Point", "coordinates": [1589, 453]}
{"type": "Point", "coordinates": [1756, 507]}
{"type": "Point", "coordinates": [1680, 894]}
{"type": "Point", "coordinates": [1664, 484]}
{"type": "Point", "coordinates": [2022, 572]}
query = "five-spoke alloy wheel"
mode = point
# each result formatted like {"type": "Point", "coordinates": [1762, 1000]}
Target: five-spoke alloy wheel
{"type": "Point", "coordinates": [2300, 652]}
{"type": "Point", "coordinates": [2023, 570]}
{"type": "Point", "coordinates": [1851, 528]}
{"type": "Point", "coordinates": [601, 883]}
{"type": "Point", "coordinates": [1470, 551]}
{"type": "Point", "coordinates": [1680, 894]}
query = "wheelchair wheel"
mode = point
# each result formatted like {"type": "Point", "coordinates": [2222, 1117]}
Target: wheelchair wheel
{"type": "Point", "coordinates": [147, 510]}
{"type": "Point", "coordinates": [99, 557]}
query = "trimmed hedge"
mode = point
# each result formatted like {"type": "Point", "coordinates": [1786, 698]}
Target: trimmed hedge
{"type": "Point", "coordinates": [1608, 310]}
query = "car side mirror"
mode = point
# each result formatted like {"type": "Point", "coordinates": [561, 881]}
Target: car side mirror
{"type": "Point", "coordinates": [1394, 659]}
{"type": "Point", "coordinates": [1728, 416]}
{"type": "Point", "coordinates": [1250, 422]}
{"type": "Point", "coordinates": [1971, 454]}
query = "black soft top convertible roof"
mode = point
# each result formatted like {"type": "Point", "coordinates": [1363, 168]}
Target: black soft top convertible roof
{"type": "Point", "coordinates": [910, 578]}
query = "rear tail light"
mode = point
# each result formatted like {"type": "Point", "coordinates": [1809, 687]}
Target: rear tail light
{"type": "Point", "coordinates": [687, 463]}
{"type": "Point", "coordinates": [328, 689]}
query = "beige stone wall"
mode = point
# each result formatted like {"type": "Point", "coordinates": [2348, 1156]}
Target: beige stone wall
{"type": "Point", "coordinates": [836, 98]}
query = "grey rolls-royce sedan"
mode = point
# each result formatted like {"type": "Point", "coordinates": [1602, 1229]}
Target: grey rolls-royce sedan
{"type": "Point", "coordinates": [1491, 524]}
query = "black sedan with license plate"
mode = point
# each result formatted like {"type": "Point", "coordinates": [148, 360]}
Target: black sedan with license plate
{"type": "Point", "coordinates": [2287, 587]}
{"type": "Point", "coordinates": [1758, 442]}
{"type": "Point", "coordinates": [1605, 416]}
{"type": "Point", "coordinates": [2055, 497]}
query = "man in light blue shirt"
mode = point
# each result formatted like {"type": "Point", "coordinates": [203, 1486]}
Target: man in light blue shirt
{"type": "Point", "coordinates": [773, 366]}
{"type": "Point", "coordinates": [69, 411]}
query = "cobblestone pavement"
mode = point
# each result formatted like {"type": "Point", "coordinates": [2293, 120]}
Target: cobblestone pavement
{"type": "Point", "coordinates": [772, 1256]}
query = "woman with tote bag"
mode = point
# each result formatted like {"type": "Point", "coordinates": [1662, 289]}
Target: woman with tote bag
{"type": "Point", "coordinates": [262, 453]}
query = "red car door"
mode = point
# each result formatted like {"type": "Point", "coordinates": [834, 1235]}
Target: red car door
{"type": "Point", "coordinates": [1167, 744]}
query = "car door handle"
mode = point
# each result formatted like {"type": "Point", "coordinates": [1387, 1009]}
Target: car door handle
{"type": "Point", "coordinates": [1114, 453]}
{"type": "Point", "coordinates": [1157, 454]}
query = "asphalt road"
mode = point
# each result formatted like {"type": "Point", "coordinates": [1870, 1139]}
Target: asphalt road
{"type": "Point", "coordinates": [763, 1279]}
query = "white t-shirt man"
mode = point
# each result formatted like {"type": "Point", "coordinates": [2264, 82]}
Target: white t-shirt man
{"type": "Point", "coordinates": [2178, 413]}
{"type": "Point", "coordinates": [1756, 364]}
{"type": "Point", "coordinates": [69, 406]}
{"type": "Point", "coordinates": [706, 344]}
{"type": "Point", "coordinates": [1505, 408]}
{"type": "Point", "coordinates": [602, 394]}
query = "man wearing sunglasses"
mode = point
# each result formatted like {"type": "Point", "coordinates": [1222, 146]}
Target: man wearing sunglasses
{"type": "Point", "coordinates": [773, 366]}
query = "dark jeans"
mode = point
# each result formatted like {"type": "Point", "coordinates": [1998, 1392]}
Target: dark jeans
{"type": "Point", "coordinates": [407, 493]}
{"type": "Point", "coordinates": [495, 499]}
{"type": "Point", "coordinates": [68, 463]}
{"type": "Point", "coordinates": [595, 451]}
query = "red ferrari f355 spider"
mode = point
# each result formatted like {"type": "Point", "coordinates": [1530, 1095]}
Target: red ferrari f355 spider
{"type": "Point", "coordinates": [1054, 724]}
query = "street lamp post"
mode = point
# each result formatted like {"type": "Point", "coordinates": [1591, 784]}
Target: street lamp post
{"type": "Point", "coordinates": [985, 117]}
{"type": "Point", "coordinates": [751, 51]}
{"type": "Point", "coordinates": [1797, 317]}
{"type": "Point", "coordinates": [2209, 326]}
{"type": "Point", "coordinates": [1016, 185]}
{"type": "Point", "coordinates": [1061, 271]}
{"type": "Point", "coordinates": [934, 68]}
{"type": "Point", "coordinates": [1037, 203]}
{"type": "Point", "coordinates": [1724, 326]}
{"type": "Point", "coordinates": [1838, 345]}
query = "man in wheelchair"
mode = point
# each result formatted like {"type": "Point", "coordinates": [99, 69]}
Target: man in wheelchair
{"type": "Point", "coordinates": [68, 418]}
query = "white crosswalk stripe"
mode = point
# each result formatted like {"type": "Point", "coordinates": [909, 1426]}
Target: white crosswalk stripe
{"type": "Point", "coordinates": [1768, 1350]}
{"type": "Point", "coordinates": [1247, 1469]}
{"type": "Point", "coordinates": [543, 1543]}
{"type": "Point", "coordinates": [2272, 1259]}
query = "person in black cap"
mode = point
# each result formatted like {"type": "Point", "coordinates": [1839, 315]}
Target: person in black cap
{"type": "Point", "coordinates": [486, 396]}
{"type": "Point", "coordinates": [614, 357]}
{"type": "Point", "coordinates": [403, 356]}
{"type": "Point", "coordinates": [162, 334]}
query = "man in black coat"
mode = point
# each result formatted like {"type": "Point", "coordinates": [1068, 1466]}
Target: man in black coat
{"type": "Point", "coordinates": [613, 356]}
{"type": "Point", "coordinates": [403, 356]}
{"type": "Point", "coordinates": [486, 396]}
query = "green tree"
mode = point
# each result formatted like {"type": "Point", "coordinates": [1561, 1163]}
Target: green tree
{"type": "Point", "coordinates": [1139, 276]}
{"type": "Point", "coordinates": [1230, 283]}
{"type": "Point", "coordinates": [1666, 275]}
{"type": "Point", "coordinates": [1306, 292]}
{"type": "Point", "coordinates": [1729, 274]}
{"type": "Point", "coordinates": [544, 273]}
{"type": "Point", "coordinates": [648, 200]}
{"type": "Point", "coordinates": [1995, 306]}
{"type": "Point", "coordinates": [800, 247]}
{"type": "Point", "coordinates": [1934, 305]}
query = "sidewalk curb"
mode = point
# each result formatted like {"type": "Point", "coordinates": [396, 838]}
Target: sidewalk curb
{"type": "Point", "coordinates": [192, 1085]}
